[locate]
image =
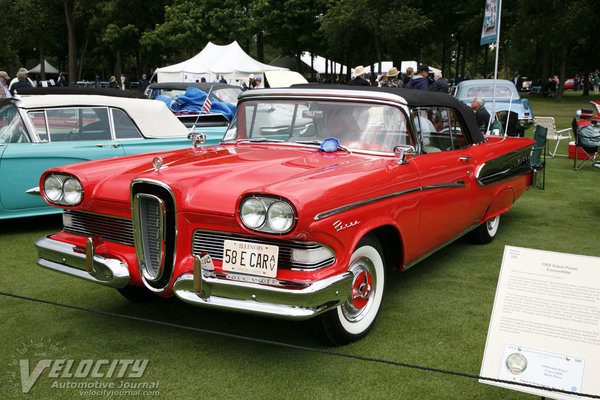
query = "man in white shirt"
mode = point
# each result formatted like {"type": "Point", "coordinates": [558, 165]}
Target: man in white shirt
{"type": "Point", "coordinates": [15, 79]}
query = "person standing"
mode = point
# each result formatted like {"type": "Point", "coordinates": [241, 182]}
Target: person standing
{"type": "Point", "coordinates": [4, 92]}
{"type": "Point", "coordinates": [439, 83]}
{"type": "Point", "coordinates": [420, 81]}
{"type": "Point", "coordinates": [518, 81]}
{"type": "Point", "coordinates": [21, 83]}
{"type": "Point", "coordinates": [143, 85]}
{"type": "Point", "coordinates": [112, 82]}
{"type": "Point", "coordinates": [596, 83]}
{"type": "Point", "coordinates": [392, 78]}
{"type": "Point", "coordinates": [16, 78]}
{"type": "Point", "coordinates": [359, 79]}
{"type": "Point", "coordinates": [481, 115]}
{"type": "Point", "coordinates": [408, 75]}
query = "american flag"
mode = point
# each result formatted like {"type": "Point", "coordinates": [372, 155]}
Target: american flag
{"type": "Point", "coordinates": [207, 103]}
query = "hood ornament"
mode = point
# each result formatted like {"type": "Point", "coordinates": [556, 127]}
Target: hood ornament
{"type": "Point", "coordinates": [157, 163]}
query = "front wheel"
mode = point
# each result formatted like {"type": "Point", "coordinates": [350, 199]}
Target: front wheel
{"type": "Point", "coordinates": [487, 231]}
{"type": "Point", "coordinates": [355, 317]}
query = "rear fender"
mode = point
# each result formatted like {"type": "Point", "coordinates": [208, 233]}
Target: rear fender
{"type": "Point", "coordinates": [502, 202]}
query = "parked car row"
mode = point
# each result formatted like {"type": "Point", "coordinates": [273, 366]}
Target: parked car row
{"type": "Point", "coordinates": [313, 193]}
{"type": "Point", "coordinates": [43, 128]}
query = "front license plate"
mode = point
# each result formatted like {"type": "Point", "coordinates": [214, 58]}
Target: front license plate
{"type": "Point", "coordinates": [250, 258]}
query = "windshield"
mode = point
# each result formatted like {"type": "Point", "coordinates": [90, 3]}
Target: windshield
{"type": "Point", "coordinates": [502, 92]}
{"type": "Point", "coordinates": [358, 126]}
{"type": "Point", "coordinates": [12, 128]}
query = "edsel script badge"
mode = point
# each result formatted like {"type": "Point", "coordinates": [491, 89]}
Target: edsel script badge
{"type": "Point", "coordinates": [339, 225]}
{"type": "Point", "coordinates": [516, 363]}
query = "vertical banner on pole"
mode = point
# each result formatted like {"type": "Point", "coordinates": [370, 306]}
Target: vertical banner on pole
{"type": "Point", "coordinates": [491, 22]}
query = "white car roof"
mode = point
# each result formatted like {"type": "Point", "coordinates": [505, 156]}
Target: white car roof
{"type": "Point", "coordinates": [153, 117]}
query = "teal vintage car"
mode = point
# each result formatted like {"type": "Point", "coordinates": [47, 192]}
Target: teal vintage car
{"type": "Point", "coordinates": [41, 131]}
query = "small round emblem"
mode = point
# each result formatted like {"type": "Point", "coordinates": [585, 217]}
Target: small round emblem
{"type": "Point", "coordinates": [516, 363]}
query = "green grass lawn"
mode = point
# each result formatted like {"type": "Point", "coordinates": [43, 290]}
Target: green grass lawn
{"type": "Point", "coordinates": [434, 315]}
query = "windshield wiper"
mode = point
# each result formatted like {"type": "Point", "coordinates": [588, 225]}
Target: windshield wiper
{"type": "Point", "coordinates": [258, 140]}
{"type": "Point", "coordinates": [309, 142]}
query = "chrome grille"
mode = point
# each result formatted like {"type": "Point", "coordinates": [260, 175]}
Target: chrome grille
{"type": "Point", "coordinates": [112, 229]}
{"type": "Point", "coordinates": [213, 243]}
{"type": "Point", "coordinates": [150, 226]}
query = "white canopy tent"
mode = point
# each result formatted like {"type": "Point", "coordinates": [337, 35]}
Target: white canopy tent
{"type": "Point", "coordinates": [321, 64]}
{"type": "Point", "coordinates": [229, 60]}
{"type": "Point", "coordinates": [48, 69]}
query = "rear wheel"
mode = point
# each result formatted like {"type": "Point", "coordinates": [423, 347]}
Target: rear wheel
{"type": "Point", "coordinates": [487, 231]}
{"type": "Point", "coordinates": [355, 317]}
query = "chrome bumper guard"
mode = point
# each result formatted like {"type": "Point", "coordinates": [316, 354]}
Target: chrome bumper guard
{"type": "Point", "coordinates": [275, 298]}
{"type": "Point", "coordinates": [82, 263]}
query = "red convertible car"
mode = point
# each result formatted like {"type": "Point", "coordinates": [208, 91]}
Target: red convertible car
{"type": "Point", "coordinates": [314, 192]}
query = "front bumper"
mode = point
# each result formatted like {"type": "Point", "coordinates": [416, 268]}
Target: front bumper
{"type": "Point", "coordinates": [82, 263]}
{"type": "Point", "coordinates": [204, 287]}
{"type": "Point", "coordinates": [287, 300]}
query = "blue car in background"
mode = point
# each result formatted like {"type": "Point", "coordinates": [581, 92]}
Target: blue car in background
{"type": "Point", "coordinates": [185, 100]}
{"type": "Point", "coordinates": [507, 99]}
{"type": "Point", "coordinates": [45, 128]}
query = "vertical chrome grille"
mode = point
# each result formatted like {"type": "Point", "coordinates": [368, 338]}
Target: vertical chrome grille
{"type": "Point", "coordinates": [150, 227]}
{"type": "Point", "coordinates": [154, 219]}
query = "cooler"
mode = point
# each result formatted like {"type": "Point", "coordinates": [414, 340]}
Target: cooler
{"type": "Point", "coordinates": [580, 154]}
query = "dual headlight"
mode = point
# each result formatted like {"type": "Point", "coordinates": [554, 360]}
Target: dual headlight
{"type": "Point", "coordinates": [63, 189]}
{"type": "Point", "coordinates": [267, 214]}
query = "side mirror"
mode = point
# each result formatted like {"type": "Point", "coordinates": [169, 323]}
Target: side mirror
{"type": "Point", "coordinates": [197, 138]}
{"type": "Point", "coordinates": [402, 151]}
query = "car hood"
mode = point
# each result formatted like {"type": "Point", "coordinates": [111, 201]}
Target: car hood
{"type": "Point", "coordinates": [212, 179]}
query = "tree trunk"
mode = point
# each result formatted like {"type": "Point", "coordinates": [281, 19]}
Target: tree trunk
{"type": "Point", "coordinates": [260, 52]}
{"type": "Point", "coordinates": [42, 63]}
{"type": "Point", "coordinates": [474, 61]}
{"type": "Point", "coordinates": [504, 62]}
{"type": "Point", "coordinates": [563, 72]}
{"type": "Point", "coordinates": [85, 44]}
{"type": "Point", "coordinates": [69, 6]}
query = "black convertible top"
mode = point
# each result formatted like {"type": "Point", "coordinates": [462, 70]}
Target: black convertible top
{"type": "Point", "coordinates": [80, 91]}
{"type": "Point", "coordinates": [416, 98]}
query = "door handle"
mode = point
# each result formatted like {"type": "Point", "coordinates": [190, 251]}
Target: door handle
{"type": "Point", "coordinates": [115, 145]}
{"type": "Point", "coordinates": [465, 158]}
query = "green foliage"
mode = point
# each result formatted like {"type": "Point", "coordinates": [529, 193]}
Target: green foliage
{"type": "Point", "coordinates": [537, 39]}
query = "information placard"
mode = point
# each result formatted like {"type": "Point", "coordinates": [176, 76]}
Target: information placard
{"type": "Point", "coordinates": [545, 324]}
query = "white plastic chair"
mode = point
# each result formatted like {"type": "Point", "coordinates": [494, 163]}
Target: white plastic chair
{"type": "Point", "coordinates": [553, 134]}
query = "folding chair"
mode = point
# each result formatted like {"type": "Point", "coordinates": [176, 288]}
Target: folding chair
{"type": "Point", "coordinates": [553, 134]}
{"type": "Point", "coordinates": [590, 153]}
{"type": "Point", "coordinates": [537, 159]}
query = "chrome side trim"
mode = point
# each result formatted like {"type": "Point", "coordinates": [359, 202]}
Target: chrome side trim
{"type": "Point", "coordinates": [82, 263]}
{"type": "Point", "coordinates": [339, 210]}
{"type": "Point", "coordinates": [302, 301]}
{"type": "Point", "coordinates": [34, 191]}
